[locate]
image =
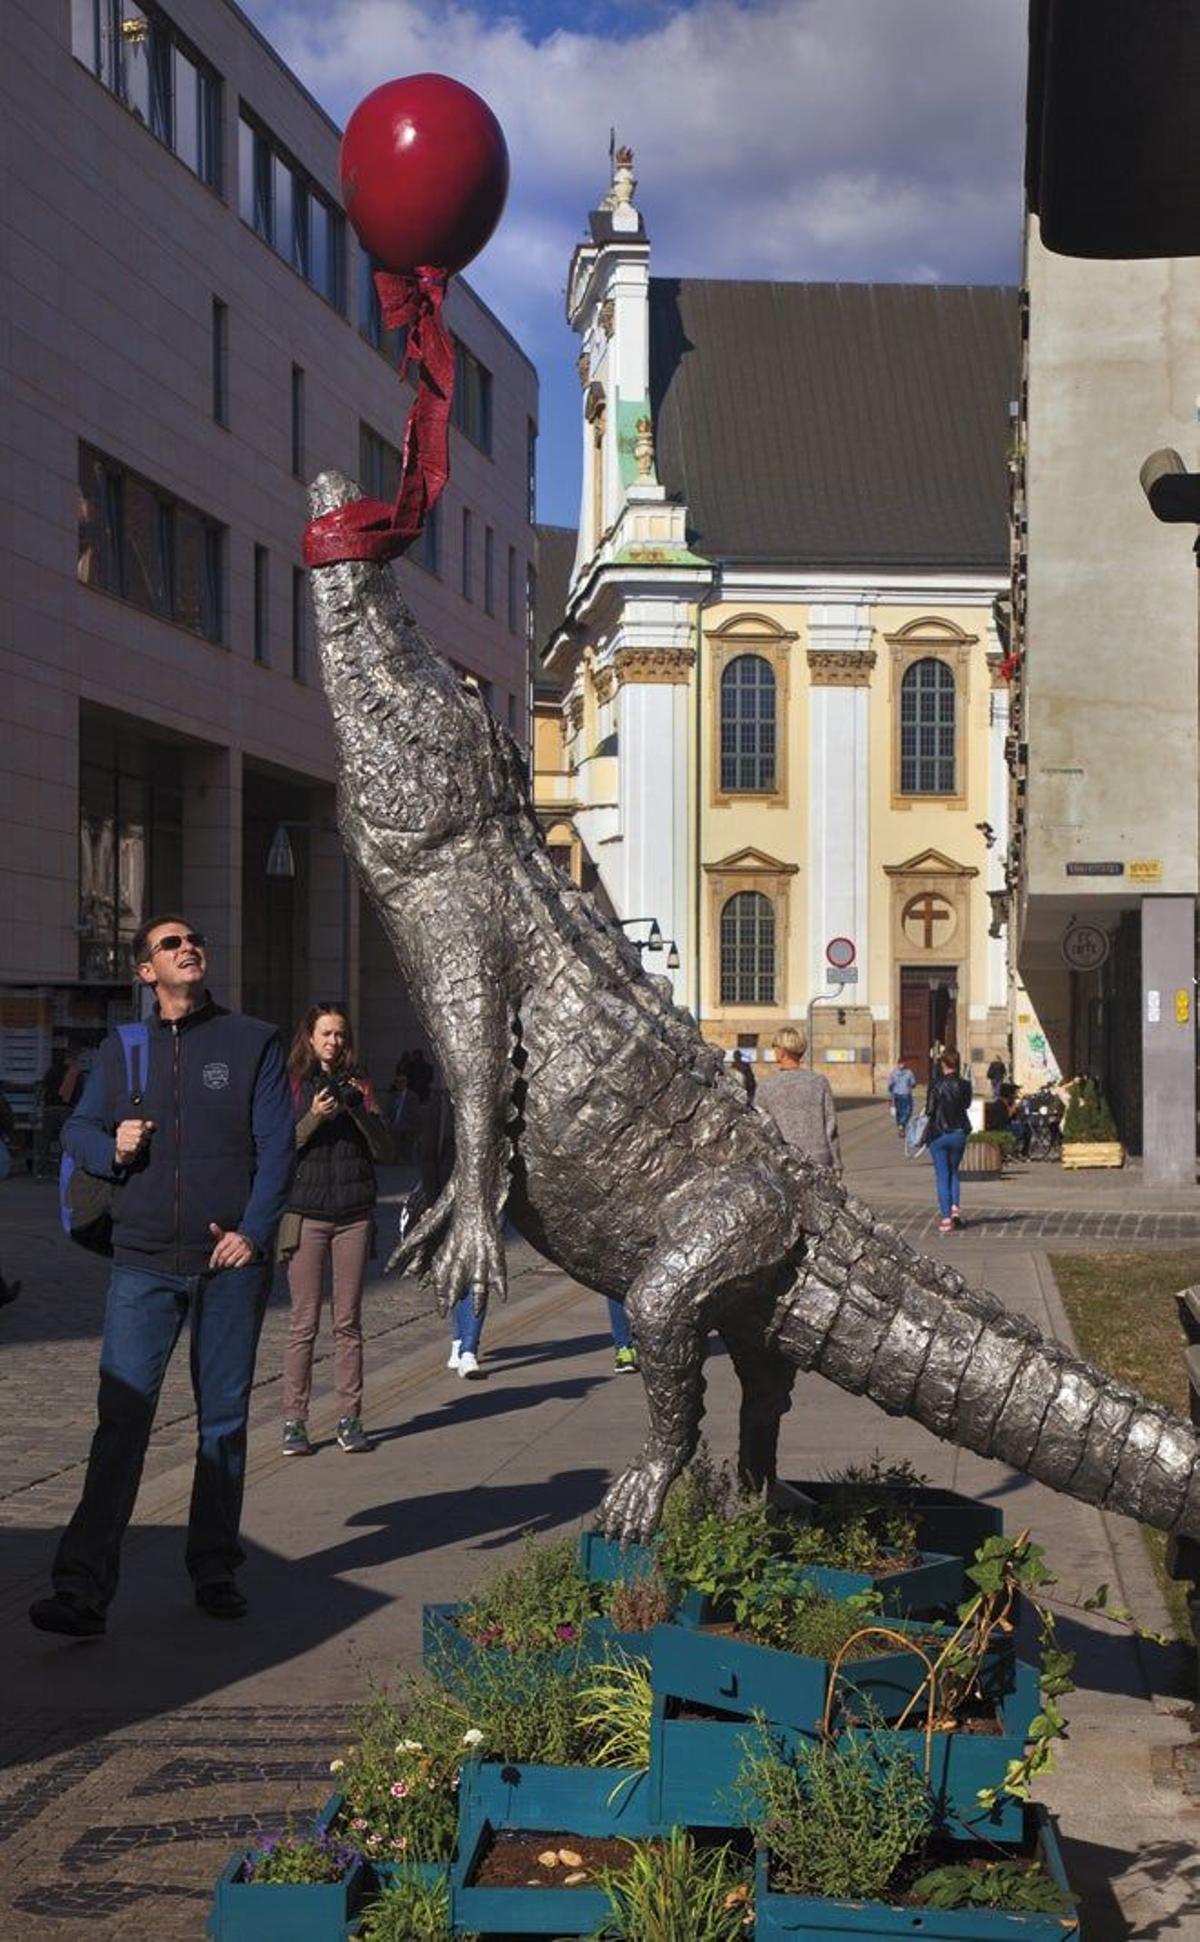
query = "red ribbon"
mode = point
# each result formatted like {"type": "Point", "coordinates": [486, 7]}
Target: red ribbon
{"type": "Point", "coordinates": [368, 529]}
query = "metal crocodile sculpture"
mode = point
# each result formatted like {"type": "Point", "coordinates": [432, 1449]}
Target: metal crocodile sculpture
{"type": "Point", "coordinates": [591, 1106]}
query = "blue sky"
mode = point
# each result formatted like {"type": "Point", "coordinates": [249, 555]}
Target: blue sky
{"type": "Point", "coordinates": [850, 140]}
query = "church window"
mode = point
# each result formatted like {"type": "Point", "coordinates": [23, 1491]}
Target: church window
{"type": "Point", "coordinates": [748, 950]}
{"type": "Point", "coordinates": [748, 726]}
{"type": "Point", "coordinates": [927, 710]}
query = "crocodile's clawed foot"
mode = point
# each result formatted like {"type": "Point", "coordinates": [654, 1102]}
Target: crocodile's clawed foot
{"type": "Point", "coordinates": [471, 1257]}
{"type": "Point", "coordinates": [633, 1505]}
{"type": "Point", "coordinates": [414, 1250]}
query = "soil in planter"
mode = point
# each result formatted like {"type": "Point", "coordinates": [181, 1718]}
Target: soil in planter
{"type": "Point", "coordinates": [519, 1858]}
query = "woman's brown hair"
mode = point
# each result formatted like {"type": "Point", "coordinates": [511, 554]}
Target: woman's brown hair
{"type": "Point", "coordinates": [302, 1060]}
{"type": "Point", "coordinates": [949, 1061]}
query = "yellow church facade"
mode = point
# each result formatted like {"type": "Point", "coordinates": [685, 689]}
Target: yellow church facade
{"type": "Point", "coordinates": [771, 717]}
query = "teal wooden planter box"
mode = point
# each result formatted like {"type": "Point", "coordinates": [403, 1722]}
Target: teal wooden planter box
{"type": "Point", "coordinates": [605, 1562]}
{"type": "Point", "coordinates": [446, 1649]}
{"type": "Point", "coordinates": [694, 1765]}
{"type": "Point", "coordinates": [778, 1916]}
{"type": "Point", "coordinates": [385, 1874]}
{"type": "Point", "coordinates": [588, 1800]}
{"type": "Point", "coordinates": [247, 1911]}
{"type": "Point", "coordinates": [925, 1587]}
{"type": "Point", "coordinates": [946, 1521]}
{"type": "Point", "coordinates": [519, 1911]}
{"type": "Point", "coordinates": [712, 1669]}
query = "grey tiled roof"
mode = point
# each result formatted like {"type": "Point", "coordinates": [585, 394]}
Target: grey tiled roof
{"type": "Point", "coordinates": [556, 557]}
{"type": "Point", "coordinates": [840, 425]}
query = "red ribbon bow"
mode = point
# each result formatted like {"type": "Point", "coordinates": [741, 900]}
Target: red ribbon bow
{"type": "Point", "coordinates": [369, 529]}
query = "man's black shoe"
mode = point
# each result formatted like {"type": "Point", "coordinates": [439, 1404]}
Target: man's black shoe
{"type": "Point", "coordinates": [221, 1599]}
{"type": "Point", "coordinates": [55, 1615]}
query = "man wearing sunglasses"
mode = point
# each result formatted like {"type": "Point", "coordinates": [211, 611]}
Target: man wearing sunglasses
{"type": "Point", "coordinates": [200, 1148]}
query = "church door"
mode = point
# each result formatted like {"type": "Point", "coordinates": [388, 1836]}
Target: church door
{"type": "Point", "coordinates": [928, 1013]}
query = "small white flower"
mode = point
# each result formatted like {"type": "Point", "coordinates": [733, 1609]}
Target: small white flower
{"type": "Point", "coordinates": [473, 1736]}
{"type": "Point", "coordinates": [336, 1766]}
{"type": "Point", "coordinates": [410, 1746]}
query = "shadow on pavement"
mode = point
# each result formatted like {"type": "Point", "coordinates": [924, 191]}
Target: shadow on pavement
{"type": "Point", "coordinates": [448, 1517]}
{"type": "Point", "coordinates": [1113, 1661]}
{"type": "Point", "coordinates": [160, 1652]}
{"type": "Point", "coordinates": [475, 1401]}
{"type": "Point", "coordinates": [1171, 1866]}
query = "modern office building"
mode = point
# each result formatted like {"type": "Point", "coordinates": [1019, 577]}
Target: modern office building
{"type": "Point", "coordinates": [188, 333]}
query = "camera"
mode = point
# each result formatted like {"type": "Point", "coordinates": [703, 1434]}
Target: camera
{"type": "Point", "coordinates": [340, 1087]}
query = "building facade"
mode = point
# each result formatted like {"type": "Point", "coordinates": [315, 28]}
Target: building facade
{"type": "Point", "coordinates": [781, 710]}
{"type": "Point", "coordinates": [1104, 653]}
{"type": "Point", "coordinates": [190, 334]}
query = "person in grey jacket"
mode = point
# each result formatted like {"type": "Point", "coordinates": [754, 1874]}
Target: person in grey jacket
{"type": "Point", "coordinates": [800, 1102]}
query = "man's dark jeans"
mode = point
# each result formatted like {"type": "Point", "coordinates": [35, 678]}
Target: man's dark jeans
{"type": "Point", "coordinates": [143, 1319]}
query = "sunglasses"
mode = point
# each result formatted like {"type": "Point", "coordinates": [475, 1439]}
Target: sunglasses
{"type": "Point", "coordinates": [176, 938]}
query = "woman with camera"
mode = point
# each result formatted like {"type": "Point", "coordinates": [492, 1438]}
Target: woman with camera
{"type": "Point", "coordinates": [340, 1136]}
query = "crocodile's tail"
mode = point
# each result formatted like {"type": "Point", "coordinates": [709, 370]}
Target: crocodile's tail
{"type": "Point", "coordinates": [909, 1333]}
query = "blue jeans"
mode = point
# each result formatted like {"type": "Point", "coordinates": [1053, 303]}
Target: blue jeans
{"type": "Point", "coordinates": [903, 1104]}
{"type": "Point", "coordinates": [143, 1319]}
{"type": "Point", "coordinates": [618, 1321]}
{"type": "Point", "coordinates": [946, 1152]}
{"type": "Point", "coordinates": [466, 1326]}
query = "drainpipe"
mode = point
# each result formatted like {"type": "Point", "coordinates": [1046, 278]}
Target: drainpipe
{"type": "Point", "coordinates": [698, 911]}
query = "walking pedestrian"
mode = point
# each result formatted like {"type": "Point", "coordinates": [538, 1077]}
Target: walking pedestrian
{"type": "Point", "coordinates": [902, 1083]}
{"type": "Point", "coordinates": [800, 1102]}
{"type": "Point", "coordinates": [946, 1105]}
{"type": "Point", "coordinates": [625, 1355]}
{"type": "Point", "coordinates": [199, 1150]}
{"type": "Point", "coordinates": [340, 1136]}
{"type": "Point", "coordinates": [466, 1332]}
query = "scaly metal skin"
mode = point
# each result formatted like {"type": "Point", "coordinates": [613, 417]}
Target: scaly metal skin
{"type": "Point", "coordinates": [585, 1100]}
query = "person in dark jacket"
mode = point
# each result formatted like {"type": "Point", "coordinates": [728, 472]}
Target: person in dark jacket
{"type": "Point", "coordinates": [947, 1104]}
{"type": "Point", "coordinates": [200, 1151]}
{"type": "Point", "coordinates": [339, 1137]}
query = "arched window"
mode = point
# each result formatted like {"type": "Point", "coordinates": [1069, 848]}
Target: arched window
{"type": "Point", "coordinates": [748, 950]}
{"type": "Point", "coordinates": [927, 703]}
{"type": "Point", "coordinates": [748, 725]}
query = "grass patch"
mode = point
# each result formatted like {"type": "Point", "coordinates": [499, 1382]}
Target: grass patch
{"type": "Point", "coordinates": [1122, 1313]}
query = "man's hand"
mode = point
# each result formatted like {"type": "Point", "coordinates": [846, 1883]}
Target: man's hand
{"type": "Point", "coordinates": [230, 1249]}
{"type": "Point", "coordinates": [132, 1135]}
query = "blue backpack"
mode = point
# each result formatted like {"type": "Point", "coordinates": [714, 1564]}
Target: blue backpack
{"type": "Point", "coordinates": [84, 1199]}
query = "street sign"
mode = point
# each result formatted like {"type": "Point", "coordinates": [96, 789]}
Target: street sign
{"type": "Point", "coordinates": [846, 974]}
{"type": "Point", "coordinates": [1085, 947]}
{"type": "Point", "coordinates": [840, 952]}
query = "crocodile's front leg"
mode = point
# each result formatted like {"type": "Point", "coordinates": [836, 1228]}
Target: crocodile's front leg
{"type": "Point", "coordinates": [717, 1232]}
{"type": "Point", "coordinates": [461, 971]}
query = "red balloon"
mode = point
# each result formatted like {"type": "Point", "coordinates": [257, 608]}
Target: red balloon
{"type": "Point", "coordinates": [424, 173]}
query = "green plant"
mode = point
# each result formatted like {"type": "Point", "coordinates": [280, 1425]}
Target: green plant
{"type": "Point", "coordinates": [639, 1603]}
{"type": "Point", "coordinates": [1087, 1116]}
{"type": "Point", "coordinates": [535, 1605]}
{"type": "Point", "coordinates": [1014, 1885]}
{"type": "Point", "coordinates": [800, 1619]}
{"type": "Point", "coordinates": [400, 1778]}
{"type": "Point", "coordinates": [411, 1912]}
{"type": "Point", "coordinates": [299, 1860]}
{"type": "Point", "coordinates": [674, 1891]}
{"type": "Point", "coordinates": [994, 1136]}
{"type": "Point", "coordinates": [525, 1703]}
{"type": "Point", "coordinates": [840, 1816]}
{"type": "Point", "coordinates": [616, 1707]}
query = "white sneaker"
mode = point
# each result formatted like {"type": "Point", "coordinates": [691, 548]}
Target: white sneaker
{"type": "Point", "coordinates": [455, 1348]}
{"type": "Point", "coordinates": [467, 1365]}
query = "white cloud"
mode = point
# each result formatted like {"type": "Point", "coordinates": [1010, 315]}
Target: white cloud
{"type": "Point", "coordinates": [850, 139]}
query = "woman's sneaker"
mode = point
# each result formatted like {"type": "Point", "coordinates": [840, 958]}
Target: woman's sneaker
{"type": "Point", "coordinates": [467, 1365]}
{"type": "Point", "coordinates": [455, 1352]}
{"type": "Point", "coordinates": [295, 1439]}
{"type": "Point", "coordinates": [625, 1361]}
{"type": "Point", "coordinates": [945, 1227]}
{"type": "Point", "coordinates": [352, 1436]}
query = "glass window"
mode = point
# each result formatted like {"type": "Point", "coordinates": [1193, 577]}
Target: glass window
{"type": "Point", "coordinates": [427, 550]}
{"type": "Point", "coordinates": [189, 569]}
{"type": "Point", "coordinates": [85, 33]}
{"type": "Point", "coordinates": [142, 568]}
{"type": "Point", "coordinates": [145, 546]}
{"type": "Point", "coordinates": [187, 110]}
{"type": "Point", "coordinates": [299, 623]}
{"type": "Point", "coordinates": [220, 362]}
{"type": "Point", "coordinates": [130, 842]}
{"type": "Point", "coordinates": [489, 570]}
{"type": "Point", "coordinates": [306, 216]}
{"type": "Point", "coordinates": [281, 201]}
{"type": "Point", "coordinates": [264, 204]}
{"type": "Point", "coordinates": [262, 588]}
{"type": "Point", "coordinates": [530, 602]}
{"type": "Point", "coordinates": [370, 316]}
{"type": "Point", "coordinates": [208, 115]}
{"type": "Point", "coordinates": [378, 465]}
{"type": "Point", "coordinates": [748, 725]}
{"type": "Point", "coordinates": [246, 176]}
{"type": "Point", "coordinates": [137, 37]}
{"type": "Point", "coordinates": [927, 704]}
{"type": "Point", "coordinates": [511, 590]}
{"type": "Point", "coordinates": [531, 470]}
{"type": "Point", "coordinates": [468, 562]}
{"type": "Point", "coordinates": [472, 407]}
{"type": "Point", "coordinates": [297, 422]}
{"type": "Point", "coordinates": [748, 950]}
{"type": "Point", "coordinates": [212, 585]}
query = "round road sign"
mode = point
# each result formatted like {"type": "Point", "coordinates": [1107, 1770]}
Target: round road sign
{"type": "Point", "coordinates": [840, 952]}
{"type": "Point", "coordinates": [1086, 947]}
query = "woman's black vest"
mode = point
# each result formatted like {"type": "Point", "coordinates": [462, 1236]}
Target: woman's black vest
{"type": "Point", "coordinates": [335, 1176]}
